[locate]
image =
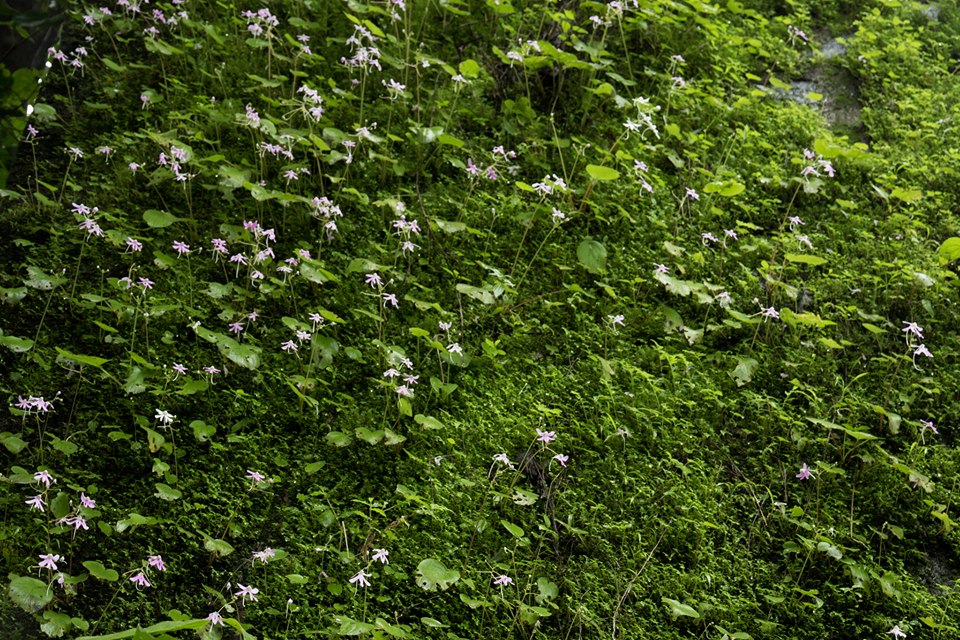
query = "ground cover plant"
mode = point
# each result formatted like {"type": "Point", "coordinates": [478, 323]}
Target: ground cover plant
{"type": "Point", "coordinates": [484, 319]}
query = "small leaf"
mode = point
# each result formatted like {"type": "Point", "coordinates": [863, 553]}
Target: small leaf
{"type": "Point", "coordinates": [599, 172]}
{"type": "Point", "coordinates": [514, 530]}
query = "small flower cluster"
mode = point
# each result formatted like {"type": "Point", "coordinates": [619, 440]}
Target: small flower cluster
{"type": "Point", "coordinates": [409, 381]}
{"type": "Point", "coordinates": [815, 164]}
{"type": "Point", "coordinates": [405, 229]}
{"type": "Point", "coordinates": [914, 334]}
{"type": "Point", "coordinates": [260, 23]}
{"type": "Point", "coordinates": [87, 221]}
{"type": "Point", "coordinates": [312, 103]}
{"type": "Point", "coordinates": [33, 403]}
{"type": "Point", "coordinates": [643, 123]}
{"type": "Point", "coordinates": [364, 54]}
{"type": "Point", "coordinates": [327, 212]}
{"type": "Point", "coordinates": [549, 185]}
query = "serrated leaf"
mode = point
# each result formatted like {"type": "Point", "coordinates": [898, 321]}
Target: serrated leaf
{"type": "Point", "coordinates": [338, 439]}
{"type": "Point", "coordinates": [469, 68]}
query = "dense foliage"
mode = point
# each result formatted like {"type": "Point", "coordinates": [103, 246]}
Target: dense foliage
{"type": "Point", "coordinates": [463, 319]}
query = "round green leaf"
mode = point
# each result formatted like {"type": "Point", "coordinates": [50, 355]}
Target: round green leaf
{"type": "Point", "coordinates": [158, 219]}
{"type": "Point", "coordinates": [592, 255]}
{"type": "Point", "coordinates": [30, 594]}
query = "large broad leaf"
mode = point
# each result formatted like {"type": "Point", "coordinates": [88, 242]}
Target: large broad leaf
{"type": "Point", "coordinates": [599, 172]}
{"type": "Point", "coordinates": [432, 574]}
{"type": "Point", "coordinates": [245, 355]}
{"type": "Point", "coordinates": [949, 251]}
{"type": "Point", "coordinates": [31, 594]}
{"type": "Point", "coordinates": [158, 219]}
{"type": "Point", "coordinates": [15, 344]}
{"type": "Point", "coordinates": [97, 570]}
{"type": "Point", "coordinates": [592, 255]}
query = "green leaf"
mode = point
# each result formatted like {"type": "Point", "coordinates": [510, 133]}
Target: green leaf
{"type": "Point", "coordinates": [432, 623]}
{"type": "Point", "coordinates": [87, 360]}
{"type": "Point", "coordinates": [202, 431]}
{"type": "Point", "coordinates": [167, 626]}
{"type": "Point", "coordinates": [296, 578]}
{"type": "Point", "coordinates": [514, 530]}
{"type": "Point", "coordinates": [37, 279]}
{"type": "Point", "coordinates": [56, 624]}
{"type": "Point", "coordinates": [469, 68]}
{"type": "Point", "coordinates": [219, 547]}
{"type": "Point", "coordinates": [100, 572]}
{"type": "Point", "coordinates": [949, 251]}
{"type": "Point", "coordinates": [12, 442]}
{"type": "Point", "coordinates": [30, 594]}
{"type": "Point", "coordinates": [805, 259]}
{"type": "Point", "coordinates": [192, 386]}
{"type": "Point", "coordinates": [592, 255]}
{"type": "Point", "coordinates": [159, 219]}
{"type": "Point", "coordinates": [743, 372]}
{"type": "Point", "coordinates": [369, 436]}
{"type": "Point", "coordinates": [338, 439]}
{"type": "Point", "coordinates": [427, 422]}
{"type": "Point", "coordinates": [351, 627]}
{"type": "Point", "coordinates": [678, 609]}
{"type": "Point", "coordinates": [599, 172]}
{"type": "Point", "coordinates": [547, 589]}
{"type": "Point", "coordinates": [245, 355]}
{"type": "Point", "coordinates": [15, 344]}
{"type": "Point", "coordinates": [166, 492]}
{"type": "Point", "coordinates": [432, 574]}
